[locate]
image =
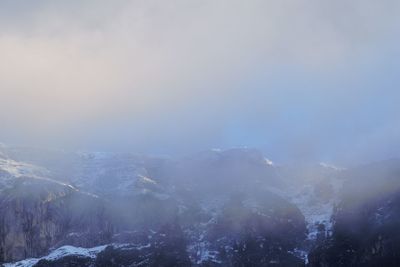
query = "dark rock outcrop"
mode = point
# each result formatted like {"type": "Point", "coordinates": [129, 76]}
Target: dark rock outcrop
{"type": "Point", "coordinates": [37, 214]}
{"type": "Point", "coordinates": [366, 222]}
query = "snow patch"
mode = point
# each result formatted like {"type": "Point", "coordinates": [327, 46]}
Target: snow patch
{"type": "Point", "coordinates": [269, 162]}
{"type": "Point", "coordinates": [60, 253]}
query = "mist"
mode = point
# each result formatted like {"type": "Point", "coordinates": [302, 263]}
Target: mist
{"type": "Point", "coordinates": [199, 133]}
{"type": "Point", "coordinates": [300, 80]}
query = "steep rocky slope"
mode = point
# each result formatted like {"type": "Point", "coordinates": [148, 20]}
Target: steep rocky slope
{"type": "Point", "coordinates": [38, 213]}
{"type": "Point", "coordinates": [228, 208]}
{"type": "Point", "coordinates": [365, 231]}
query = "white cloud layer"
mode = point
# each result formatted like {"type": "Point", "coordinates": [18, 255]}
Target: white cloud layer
{"type": "Point", "coordinates": [192, 74]}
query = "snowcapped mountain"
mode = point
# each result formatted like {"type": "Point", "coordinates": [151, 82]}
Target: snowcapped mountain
{"type": "Point", "coordinates": [214, 208]}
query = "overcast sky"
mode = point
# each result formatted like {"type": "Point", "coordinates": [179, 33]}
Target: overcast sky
{"type": "Point", "coordinates": [299, 79]}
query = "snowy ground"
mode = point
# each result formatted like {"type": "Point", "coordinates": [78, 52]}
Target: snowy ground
{"type": "Point", "coordinates": [59, 253]}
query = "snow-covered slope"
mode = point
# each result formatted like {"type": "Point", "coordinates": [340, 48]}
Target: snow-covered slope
{"type": "Point", "coordinates": [11, 171]}
{"type": "Point", "coordinates": [315, 189]}
{"type": "Point", "coordinates": [199, 192]}
{"type": "Point", "coordinates": [58, 254]}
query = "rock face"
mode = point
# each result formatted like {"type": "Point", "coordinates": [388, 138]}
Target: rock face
{"type": "Point", "coordinates": [257, 232]}
{"type": "Point", "coordinates": [365, 231]}
{"type": "Point", "coordinates": [215, 208]}
{"type": "Point", "coordinates": [213, 205]}
{"type": "Point", "coordinates": [37, 215]}
{"type": "Point", "coordinates": [37, 212]}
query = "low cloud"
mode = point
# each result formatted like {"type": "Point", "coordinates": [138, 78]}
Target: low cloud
{"type": "Point", "coordinates": [176, 76]}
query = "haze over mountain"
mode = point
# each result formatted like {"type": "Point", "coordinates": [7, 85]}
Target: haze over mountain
{"type": "Point", "coordinates": [215, 208]}
{"type": "Point", "coordinates": [199, 133]}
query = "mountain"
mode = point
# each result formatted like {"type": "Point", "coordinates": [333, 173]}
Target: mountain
{"type": "Point", "coordinates": [365, 222]}
{"type": "Point", "coordinates": [214, 208]}
{"type": "Point", "coordinates": [38, 213]}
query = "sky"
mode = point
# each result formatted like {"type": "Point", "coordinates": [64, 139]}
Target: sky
{"type": "Point", "coordinates": [298, 79]}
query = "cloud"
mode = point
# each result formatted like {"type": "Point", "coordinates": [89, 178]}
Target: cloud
{"type": "Point", "coordinates": [183, 73]}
